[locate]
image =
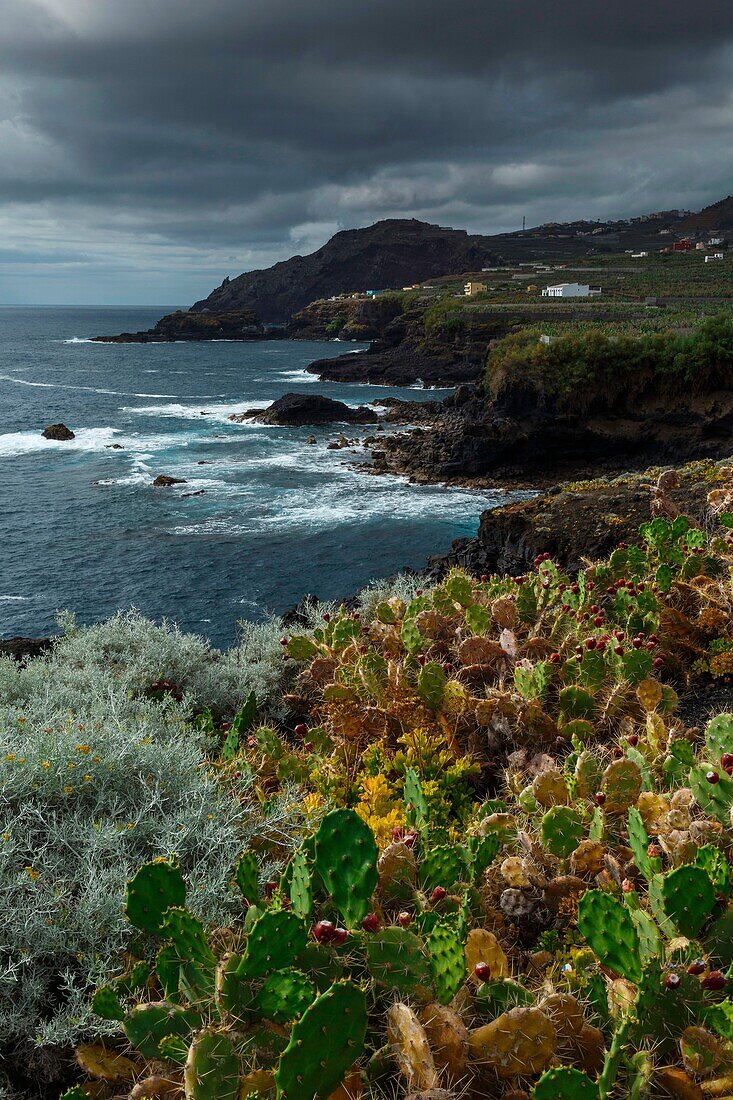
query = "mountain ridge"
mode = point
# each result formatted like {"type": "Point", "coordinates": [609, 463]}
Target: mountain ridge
{"type": "Point", "coordinates": [395, 252]}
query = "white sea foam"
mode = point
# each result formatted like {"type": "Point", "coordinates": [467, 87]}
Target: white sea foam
{"type": "Point", "coordinates": [218, 413]}
{"type": "Point", "coordinates": [300, 375]}
{"type": "Point", "coordinates": [13, 444]}
{"type": "Point", "coordinates": [17, 599]}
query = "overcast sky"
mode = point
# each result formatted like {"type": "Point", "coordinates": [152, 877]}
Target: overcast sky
{"type": "Point", "coordinates": [150, 147]}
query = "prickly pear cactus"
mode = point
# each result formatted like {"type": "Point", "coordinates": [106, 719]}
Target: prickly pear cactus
{"type": "Point", "coordinates": [441, 866]}
{"type": "Point", "coordinates": [607, 926]}
{"type": "Point", "coordinates": [156, 887]}
{"type": "Point", "coordinates": [247, 876]}
{"type": "Point", "coordinates": [410, 1047]}
{"type": "Point", "coordinates": [688, 897]}
{"type": "Point", "coordinates": [719, 736]}
{"type": "Point", "coordinates": [146, 1025]}
{"type": "Point", "coordinates": [396, 959]}
{"type": "Point", "coordinates": [212, 1068]}
{"type": "Point", "coordinates": [431, 680]}
{"type": "Point", "coordinates": [301, 894]}
{"type": "Point", "coordinates": [346, 860]}
{"type": "Point", "coordinates": [415, 802]}
{"type": "Point", "coordinates": [284, 996]}
{"type": "Point", "coordinates": [520, 1041]}
{"type": "Point", "coordinates": [275, 940]}
{"type": "Point", "coordinates": [621, 783]}
{"type": "Point", "coordinates": [715, 798]}
{"type": "Point", "coordinates": [562, 830]}
{"type": "Point", "coordinates": [324, 1043]}
{"type": "Point", "coordinates": [639, 844]}
{"type": "Point", "coordinates": [565, 1083]}
{"type": "Point", "coordinates": [447, 959]}
{"type": "Point", "coordinates": [106, 1003]}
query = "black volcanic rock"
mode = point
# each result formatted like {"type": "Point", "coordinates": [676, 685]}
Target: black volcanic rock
{"type": "Point", "coordinates": [243, 324]}
{"type": "Point", "coordinates": [388, 255]}
{"type": "Point", "coordinates": [58, 432]}
{"type": "Point", "coordinates": [295, 409]}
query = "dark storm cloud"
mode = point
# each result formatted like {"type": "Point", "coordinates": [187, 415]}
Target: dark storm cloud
{"type": "Point", "coordinates": [200, 138]}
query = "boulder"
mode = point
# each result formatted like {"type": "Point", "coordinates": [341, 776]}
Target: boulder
{"type": "Point", "coordinates": [162, 481]}
{"type": "Point", "coordinates": [57, 431]}
{"type": "Point", "coordinates": [22, 649]}
{"type": "Point", "coordinates": [295, 409]}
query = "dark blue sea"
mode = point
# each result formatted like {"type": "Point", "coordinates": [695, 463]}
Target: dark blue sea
{"type": "Point", "coordinates": [82, 528]}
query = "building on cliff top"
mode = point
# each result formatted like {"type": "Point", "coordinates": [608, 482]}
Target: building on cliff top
{"type": "Point", "coordinates": [571, 290]}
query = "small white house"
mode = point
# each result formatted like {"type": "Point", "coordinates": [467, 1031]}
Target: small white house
{"type": "Point", "coordinates": [714, 256]}
{"type": "Point", "coordinates": [638, 255]}
{"type": "Point", "coordinates": [571, 290]}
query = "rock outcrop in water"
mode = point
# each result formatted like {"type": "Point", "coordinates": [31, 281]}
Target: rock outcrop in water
{"type": "Point", "coordinates": [163, 481]}
{"type": "Point", "coordinates": [296, 409]}
{"type": "Point", "coordinates": [58, 432]}
{"type": "Point", "coordinates": [182, 325]}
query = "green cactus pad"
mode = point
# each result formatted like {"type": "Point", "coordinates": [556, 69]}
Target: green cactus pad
{"type": "Point", "coordinates": [155, 887]}
{"type": "Point", "coordinates": [415, 802]}
{"type": "Point", "coordinates": [395, 959]}
{"type": "Point", "coordinates": [688, 897]}
{"type": "Point", "coordinates": [76, 1092]}
{"type": "Point", "coordinates": [247, 876]}
{"type": "Point", "coordinates": [715, 799]}
{"type": "Point", "coordinates": [234, 995]}
{"type": "Point", "coordinates": [346, 860]}
{"type": "Point", "coordinates": [447, 960]}
{"type": "Point", "coordinates": [187, 939]}
{"type": "Point", "coordinates": [719, 940]}
{"type": "Point", "coordinates": [174, 1048]}
{"type": "Point", "coordinates": [106, 1003]}
{"type": "Point", "coordinates": [650, 943]}
{"type": "Point", "coordinates": [482, 851]}
{"type": "Point", "coordinates": [275, 940]}
{"type": "Point", "coordinates": [716, 866]}
{"type": "Point", "coordinates": [441, 866]}
{"type": "Point", "coordinates": [411, 637]}
{"type": "Point", "coordinates": [607, 926]}
{"type": "Point", "coordinates": [301, 895]}
{"type": "Point", "coordinates": [284, 996]}
{"type": "Point", "coordinates": [324, 1044]}
{"type": "Point", "coordinates": [562, 830]}
{"type": "Point", "coordinates": [576, 702]}
{"type": "Point", "coordinates": [301, 648]}
{"type": "Point", "coordinates": [639, 844]}
{"type": "Point", "coordinates": [719, 736]}
{"type": "Point", "coordinates": [431, 681]}
{"type": "Point", "coordinates": [146, 1025]}
{"type": "Point", "coordinates": [565, 1083]}
{"type": "Point", "coordinates": [494, 998]}
{"type": "Point", "coordinates": [212, 1068]}
{"type": "Point", "coordinates": [168, 970]}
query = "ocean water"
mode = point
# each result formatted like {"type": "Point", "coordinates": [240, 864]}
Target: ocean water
{"type": "Point", "coordinates": [82, 527]}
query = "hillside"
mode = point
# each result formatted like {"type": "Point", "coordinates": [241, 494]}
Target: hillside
{"type": "Point", "coordinates": [389, 254]}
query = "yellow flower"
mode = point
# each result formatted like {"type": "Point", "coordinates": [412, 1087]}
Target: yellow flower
{"type": "Point", "coordinates": [72, 766]}
{"type": "Point", "coordinates": [86, 777]}
{"type": "Point", "coordinates": [6, 836]}
{"type": "Point", "coordinates": [32, 874]}
{"type": "Point", "coordinates": [68, 789]}
{"type": "Point", "coordinates": [22, 718]}
{"type": "Point", "coordinates": [10, 757]}
{"type": "Point", "coordinates": [82, 748]}
{"type": "Point", "coordinates": [46, 764]}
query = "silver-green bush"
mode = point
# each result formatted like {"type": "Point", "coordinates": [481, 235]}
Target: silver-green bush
{"type": "Point", "coordinates": [95, 778]}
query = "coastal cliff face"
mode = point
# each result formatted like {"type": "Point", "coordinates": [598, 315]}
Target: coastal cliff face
{"type": "Point", "coordinates": [388, 255]}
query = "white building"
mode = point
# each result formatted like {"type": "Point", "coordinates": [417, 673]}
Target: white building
{"type": "Point", "coordinates": [714, 256]}
{"type": "Point", "coordinates": [638, 255]}
{"type": "Point", "coordinates": [571, 290]}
